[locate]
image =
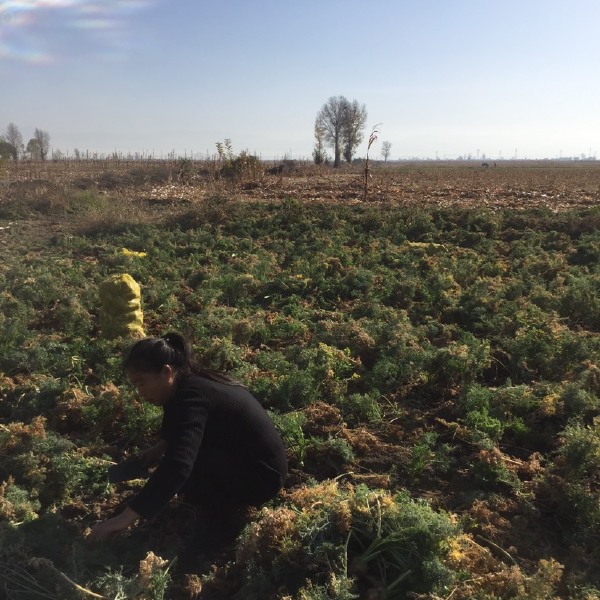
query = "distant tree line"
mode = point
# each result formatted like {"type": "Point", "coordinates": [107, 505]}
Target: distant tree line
{"type": "Point", "coordinates": [12, 146]}
{"type": "Point", "coordinates": [339, 124]}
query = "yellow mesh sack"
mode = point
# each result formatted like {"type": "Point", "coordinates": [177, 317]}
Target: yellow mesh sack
{"type": "Point", "coordinates": [121, 309]}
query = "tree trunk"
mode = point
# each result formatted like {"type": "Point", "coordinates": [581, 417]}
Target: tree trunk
{"type": "Point", "coordinates": [338, 155]}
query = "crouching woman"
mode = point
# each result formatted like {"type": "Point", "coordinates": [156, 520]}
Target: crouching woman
{"type": "Point", "coordinates": [218, 447]}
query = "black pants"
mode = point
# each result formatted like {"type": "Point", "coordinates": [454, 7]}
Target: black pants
{"type": "Point", "coordinates": [223, 482]}
{"type": "Point", "coordinates": [223, 485]}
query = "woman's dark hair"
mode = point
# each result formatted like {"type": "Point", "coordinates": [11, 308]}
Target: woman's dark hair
{"type": "Point", "coordinates": [151, 354]}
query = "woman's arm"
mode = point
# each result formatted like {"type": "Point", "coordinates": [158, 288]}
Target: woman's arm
{"type": "Point", "coordinates": [106, 528]}
{"type": "Point", "coordinates": [185, 434]}
{"type": "Point", "coordinates": [152, 456]}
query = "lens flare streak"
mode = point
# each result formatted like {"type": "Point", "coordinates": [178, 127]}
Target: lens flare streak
{"type": "Point", "coordinates": [34, 31]}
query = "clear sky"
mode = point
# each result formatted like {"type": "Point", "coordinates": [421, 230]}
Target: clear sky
{"type": "Point", "coordinates": [444, 77]}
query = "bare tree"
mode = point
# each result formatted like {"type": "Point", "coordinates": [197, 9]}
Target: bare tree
{"type": "Point", "coordinates": [33, 149]}
{"type": "Point", "coordinates": [319, 152]}
{"type": "Point", "coordinates": [43, 142]}
{"type": "Point", "coordinates": [15, 139]}
{"type": "Point", "coordinates": [6, 150]}
{"type": "Point", "coordinates": [341, 124]}
{"type": "Point", "coordinates": [331, 119]}
{"type": "Point", "coordinates": [386, 150]}
{"type": "Point", "coordinates": [354, 123]}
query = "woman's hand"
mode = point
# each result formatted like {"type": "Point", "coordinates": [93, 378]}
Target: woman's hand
{"type": "Point", "coordinates": [103, 530]}
{"type": "Point", "coordinates": [152, 456]}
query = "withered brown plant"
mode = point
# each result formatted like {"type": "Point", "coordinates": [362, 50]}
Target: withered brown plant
{"type": "Point", "coordinates": [372, 140]}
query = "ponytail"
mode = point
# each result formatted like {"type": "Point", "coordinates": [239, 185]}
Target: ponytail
{"type": "Point", "coordinates": [150, 355]}
{"type": "Point", "coordinates": [181, 351]}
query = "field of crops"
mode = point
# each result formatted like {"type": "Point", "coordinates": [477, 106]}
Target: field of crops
{"type": "Point", "coordinates": [431, 357]}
